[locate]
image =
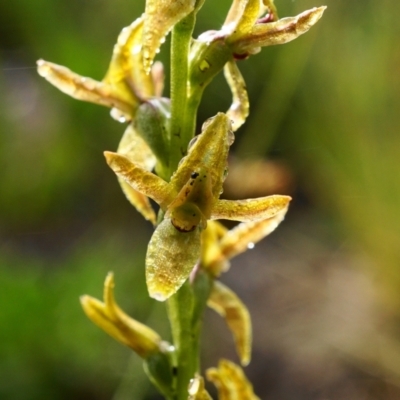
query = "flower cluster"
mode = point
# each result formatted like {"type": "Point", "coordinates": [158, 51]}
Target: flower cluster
{"type": "Point", "coordinates": [187, 241]}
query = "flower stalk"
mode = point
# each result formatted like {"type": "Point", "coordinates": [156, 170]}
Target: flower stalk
{"type": "Point", "coordinates": [160, 158]}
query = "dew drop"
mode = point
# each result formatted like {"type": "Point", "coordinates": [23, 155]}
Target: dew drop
{"type": "Point", "coordinates": [158, 296]}
{"type": "Point", "coordinates": [181, 161]}
{"type": "Point", "coordinates": [136, 49]}
{"type": "Point", "coordinates": [206, 123]}
{"type": "Point", "coordinates": [118, 115]}
{"type": "Point", "coordinates": [192, 142]}
{"type": "Point", "coordinates": [231, 137]}
{"type": "Point", "coordinates": [194, 386]}
{"type": "Point", "coordinates": [250, 245]}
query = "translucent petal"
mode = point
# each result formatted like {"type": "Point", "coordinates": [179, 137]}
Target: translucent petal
{"type": "Point", "coordinates": [279, 32]}
{"type": "Point", "coordinates": [160, 16]}
{"type": "Point", "coordinates": [231, 382]}
{"type": "Point", "coordinates": [250, 209]}
{"type": "Point", "coordinates": [126, 68]}
{"type": "Point", "coordinates": [133, 147]}
{"type": "Point", "coordinates": [136, 150]}
{"type": "Point", "coordinates": [196, 389]}
{"type": "Point", "coordinates": [171, 256]}
{"type": "Point", "coordinates": [108, 316]}
{"type": "Point", "coordinates": [239, 110]}
{"type": "Point", "coordinates": [209, 152]}
{"type": "Point", "coordinates": [87, 89]}
{"type": "Point", "coordinates": [238, 239]}
{"type": "Point", "coordinates": [138, 178]}
{"type": "Point", "coordinates": [225, 302]}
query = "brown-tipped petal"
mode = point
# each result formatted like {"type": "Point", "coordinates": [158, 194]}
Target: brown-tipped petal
{"type": "Point", "coordinates": [246, 234]}
{"type": "Point", "coordinates": [109, 317]}
{"type": "Point", "coordinates": [225, 302]}
{"type": "Point", "coordinates": [279, 32]}
{"type": "Point", "coordinates": [250, 209]}
{"type": "Point", "coordinates": [239, 109]}
{"type": "Point", "coordinates": [86, 89]}
{"type": "Point", "coordinates": [171, 256]}
{"type": "Point", "coordinates": [126, 70]}
{"type": "Point", "coordinates": [197, 390]}
{"type": "Point", "coordinates": [160, 16]}
{"type": "Point", "coordinates": [141, 180]}
{"type": "Point", "coordinates": [231, 382]}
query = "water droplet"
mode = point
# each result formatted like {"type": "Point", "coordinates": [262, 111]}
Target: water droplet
{"type": "Point", "coordinates": [118, 115]}
{"type": "Point", "coordinates": [192, 142]}
{"type": "Point", "coordinates": [181, 161]}
{"type": "Point", "coordinates": [206, 123]}
{"type": "Point", "coordinates": [136, 49]}
{"type": "Point", "coordinates": [158, 296]}
{"type": "Point", "coordinates": [231, 137]}
{"type": "Point", "coordinates": [167, 347]}
{"type": "Point", "coordinates": [250, 245]}
{"type": "Point", "coordinates": [194, 386]}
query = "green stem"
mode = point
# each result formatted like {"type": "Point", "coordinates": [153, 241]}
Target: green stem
{"type": "Point", "coordinates": [180, 315]}
{"type": "Point", "coordinates": [182, 124]}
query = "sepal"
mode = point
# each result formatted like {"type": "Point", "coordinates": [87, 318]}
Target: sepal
{"type": "Point", "coordinates": [109, 317]}
{"type": "Point", "coordinates": [231, 382]}
{"type": "Point", "coordinates": [225, 302]}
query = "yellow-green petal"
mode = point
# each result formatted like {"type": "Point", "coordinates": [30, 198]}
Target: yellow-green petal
{"type": "Point", "coordinates": [136, 150]}
{"type": "Point", "coordinates": [278, 32]}
{"type": "Point", "coordinates": [171, 256]}
{"type": "Point", "coordinates": [250, 13]}
{"type": "Point", "coordinates": [109, 317]}
{"type": "Point", "coordinates": [87, 89]}
{"type": "Point", "coordinates": [212, 258]}
{"type": "Point", "coordinates": [231, 382]}
{"type": "Point", "coordinates": [138, 178]}
{"type": "Point", "coordinates": [126, 70]}
{"type": "Point", "coordinates": [160, 17]}
{"type": "Point", "coordinates": [246, 234]}
{"type": "Point", "coordinates": [210, 151]}
{"type": "Point", "coordinates": [225, 302]}
{"type": "Point", "coordinates": [239, 110]}
{"type": "Point", "coordinates": [250, 209]}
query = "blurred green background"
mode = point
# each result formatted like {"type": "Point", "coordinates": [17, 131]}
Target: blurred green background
{"type": "Point", "coordinates": [324, 290]}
